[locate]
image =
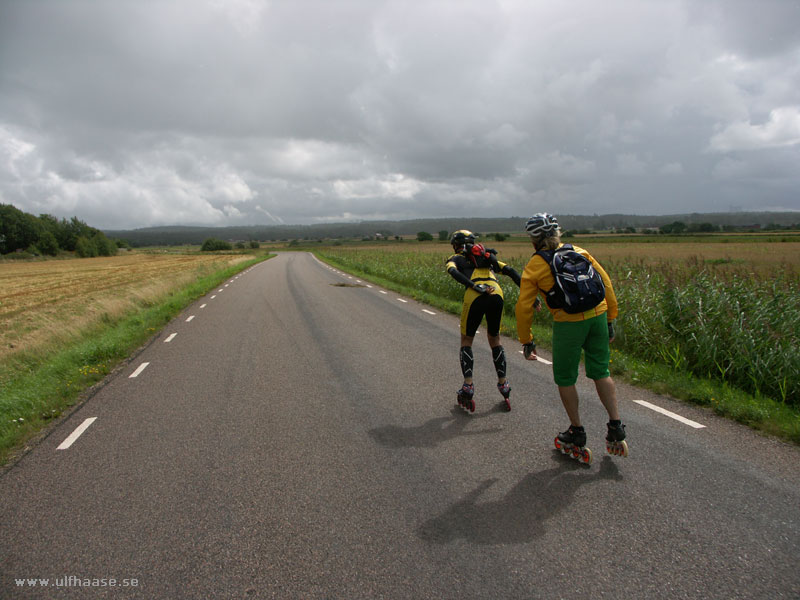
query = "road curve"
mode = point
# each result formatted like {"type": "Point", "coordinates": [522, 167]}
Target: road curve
{"type": "Point", "coordinates": [293, 434]}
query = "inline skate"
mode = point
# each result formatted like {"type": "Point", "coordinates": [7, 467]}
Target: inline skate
{"type": "Point", "coordinates": [505, 389]}
{"type": "Point", "coordinates": [615, 440]}
{"type": "Point", "coordinates": [465, 397]}
{"type": "Point", "coordinates": [572, 442]}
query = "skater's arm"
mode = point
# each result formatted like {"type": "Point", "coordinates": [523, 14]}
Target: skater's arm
{"type": "Point", "coordinates": [510, 272]}
{"type": "Point", "coordinates": [460, 277]}
{"type": "Point", "coordinates": [528, 292]}
{"type": "Point", "coordinates": [501, 267]}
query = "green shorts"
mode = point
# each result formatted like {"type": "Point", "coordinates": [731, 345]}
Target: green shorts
{"type": "Point", "coordinates": [569, 339]}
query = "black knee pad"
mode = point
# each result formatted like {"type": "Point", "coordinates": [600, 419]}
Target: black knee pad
{"type": "Point", "coordinates": [467, 361]}
{"type": "Point", "coordinates": [499, 358]}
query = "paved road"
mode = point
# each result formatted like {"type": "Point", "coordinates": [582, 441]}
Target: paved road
{"type": "Point", "coordinates": [298, 438]}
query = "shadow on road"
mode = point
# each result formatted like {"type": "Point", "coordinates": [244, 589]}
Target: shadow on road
{"type": "Point", "coordinates": [520, 516]}
{"type": "Point", "coordinates": [432, 433]}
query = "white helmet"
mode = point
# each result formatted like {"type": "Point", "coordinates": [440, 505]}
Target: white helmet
{"type": "Point", "coordinates": [541, 225]}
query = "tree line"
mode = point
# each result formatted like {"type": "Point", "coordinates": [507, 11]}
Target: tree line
{"type": "Point", "coordinates": [170, 236]}
{"type": "Point", "coordinates": [46, 235]}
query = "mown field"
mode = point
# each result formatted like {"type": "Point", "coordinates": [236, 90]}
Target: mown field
{"type": "Point", "coordinates": [65, 324]}
{"type": "Point", "coordinates": [717, 323]}
{"type": "Point", "coordinates": [47, 300]}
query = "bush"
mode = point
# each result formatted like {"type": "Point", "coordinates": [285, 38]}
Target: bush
{"type": "Point", "coordinates": [97, 245]}
{"type": "Point", "coordinates": [213, 244]}
{"type": "Point", "coordinates": [424, 236]}
{"type": "Point", "coordinates": [84, 248]}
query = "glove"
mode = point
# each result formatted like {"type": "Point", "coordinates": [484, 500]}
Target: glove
{"type": "Point", "coordinates": [611, 330]}
{"type": "Point", "coordinates": [528, 349]}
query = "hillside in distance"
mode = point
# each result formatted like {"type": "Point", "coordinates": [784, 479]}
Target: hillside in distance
{"type": "Point", "coordinates": [178, 235]}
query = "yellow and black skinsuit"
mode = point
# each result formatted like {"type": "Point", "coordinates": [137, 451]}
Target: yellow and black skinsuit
{"type": "Point", "coordinates": [474, 267]}
{"type": "Point", "coordinates": [477, 266]}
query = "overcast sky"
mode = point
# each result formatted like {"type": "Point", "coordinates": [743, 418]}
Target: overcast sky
{"type": "Point", "coordinates": [135, 113]}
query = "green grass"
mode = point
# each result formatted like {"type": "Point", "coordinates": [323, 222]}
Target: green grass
{"type": "Point", "coordinates": [723, 340]}
{"type": "Point", "coordinates": [38, 387]}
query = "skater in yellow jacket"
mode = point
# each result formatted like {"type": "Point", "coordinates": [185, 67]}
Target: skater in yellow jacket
{"type": "Point", "coordinates": [576, 329]}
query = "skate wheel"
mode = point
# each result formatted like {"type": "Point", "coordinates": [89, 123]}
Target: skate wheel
{"type": "Point", "coordinates": [472, 406]}
{"type": "Point", "coordinates": [617, 448]}
{"type": "Point", "coordinates": [586, 456]}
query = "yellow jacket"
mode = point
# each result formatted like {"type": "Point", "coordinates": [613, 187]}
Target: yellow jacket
{"type": "Point", "coordinates": [538, 278]}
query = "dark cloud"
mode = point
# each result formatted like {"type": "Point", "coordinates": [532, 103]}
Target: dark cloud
{"type": "Point", "coordinates": [135, 113]}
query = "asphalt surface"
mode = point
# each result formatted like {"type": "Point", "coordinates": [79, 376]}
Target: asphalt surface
{"type": "Point", "coordinates": [299, 438]}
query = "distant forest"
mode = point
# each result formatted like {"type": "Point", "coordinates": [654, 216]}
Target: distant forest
{"type": "Point", "coordinates": [172, 236]}
{"type": "Point", "coordinates": [24, 234]}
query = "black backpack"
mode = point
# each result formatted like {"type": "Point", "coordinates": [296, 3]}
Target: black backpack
{"type": "Point", "coordinates": [578, 286]}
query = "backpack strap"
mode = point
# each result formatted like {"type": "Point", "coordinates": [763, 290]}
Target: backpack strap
{"type": "Point", "coordinates": [548, 255]}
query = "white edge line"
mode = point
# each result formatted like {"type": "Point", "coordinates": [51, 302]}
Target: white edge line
{"type": "Point", "coordinates": [138, 371]}
{"type": "Point", "coordinates": [170, 338]}
{"type": "Point", "coordinates": [203, 305]}
{"type": "Point", "coordinates": [76, 434]}
{"type": "Point", "coordinates": [382, 292]}
{"type": "Point", "coordinates": [214, 296]}
{"type": "Point", "coordinates": [671, 415]}
{"type": "Point", "coordinates": [190, 318]}
{"type": "Point", "coordinates": [430, 312]}
{"type": "Point", "coordinates": [401, 300]}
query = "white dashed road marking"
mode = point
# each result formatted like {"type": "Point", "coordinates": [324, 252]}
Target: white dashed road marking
{"type": "Point", "coordinates": [671, 415]}
{"type": "Point", "coordinates": [76, 434]}
{"type": "Point", "coordinates": [170, 338]}
{"type": "Point", "coordinates": [138, 371]}
{"type": "Point", "coordinates": [539, 359]}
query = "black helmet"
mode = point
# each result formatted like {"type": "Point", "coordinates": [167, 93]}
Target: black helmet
{"type": "Point", "coordinates": [541, 225]}
{"type": "Point", "coordinates": [462, 237]}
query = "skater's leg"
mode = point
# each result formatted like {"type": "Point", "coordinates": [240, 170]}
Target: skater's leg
{"type": "Point", "coordinates": [494, 313]}
{"type": "Point", "coordinates": [466, 357]}
{"type": "Point", "coordinates": [569, 398]}
{"type": "Point", "coordinates": [498, 357]}
{"type": "Point", "coordinates": [607, 392]}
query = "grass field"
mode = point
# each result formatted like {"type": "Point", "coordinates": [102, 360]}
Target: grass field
{"type": "Point", "coordinates": [65, 324]}
{"type": "Point", "coordinates": [716, 323]}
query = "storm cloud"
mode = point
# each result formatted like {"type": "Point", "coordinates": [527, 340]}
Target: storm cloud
{"type": "Point", "coordinates": [220, 112]}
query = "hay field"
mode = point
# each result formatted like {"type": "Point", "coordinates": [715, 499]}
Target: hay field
{"type": "Point", "coordinates": [46, 302]}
